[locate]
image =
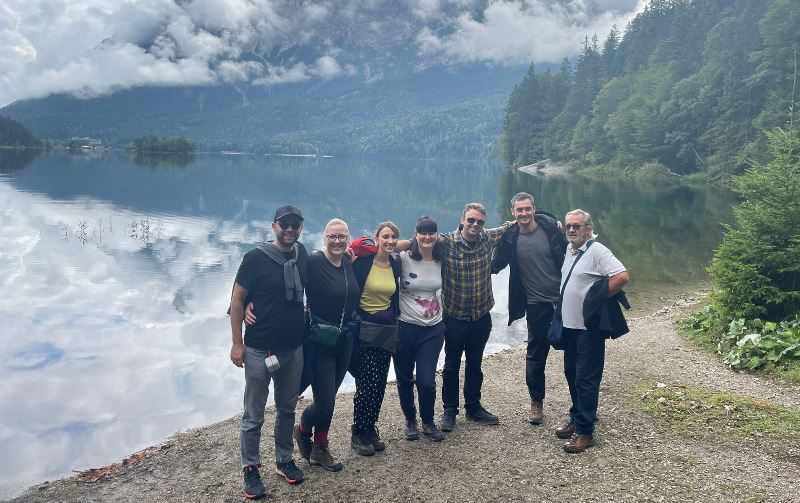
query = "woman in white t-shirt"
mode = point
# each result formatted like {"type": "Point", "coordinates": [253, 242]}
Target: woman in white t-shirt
{"type": "Point", "coordinates": [421, 333]}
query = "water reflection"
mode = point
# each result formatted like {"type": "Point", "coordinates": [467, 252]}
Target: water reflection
{"type": "Point", "coordinates": [665, 238]}
{"type": "Point", "coordinates": [162, 161]}
{"type": "Point", "coordinates": [114, 278]}
{"type": "Point", "coordinates": [14, 159]}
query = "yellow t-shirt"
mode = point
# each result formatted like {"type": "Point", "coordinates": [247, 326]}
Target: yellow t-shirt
{"type": "Point", "coordinates": [378, 290]}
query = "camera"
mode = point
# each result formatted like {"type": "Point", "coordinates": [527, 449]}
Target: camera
{"type": "Point", "coordinates": [272, 364]}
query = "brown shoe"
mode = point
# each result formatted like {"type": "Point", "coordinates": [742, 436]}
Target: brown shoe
{"type": "Point", "coordinates": [536, 412]}
{"type": "Point", "coordinates": [566, 432]}
{"type": "Point", "coordinates": [579, 443]}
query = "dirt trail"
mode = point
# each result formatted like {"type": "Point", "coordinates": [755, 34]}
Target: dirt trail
{"type": "Point", "coordinates": [633, 459]}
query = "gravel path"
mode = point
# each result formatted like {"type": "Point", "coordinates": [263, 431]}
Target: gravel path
{"type": "Point", "coordinates": [633, 460]}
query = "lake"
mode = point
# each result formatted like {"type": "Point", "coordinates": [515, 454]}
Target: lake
{"type": "Point", "coordinates": [116, 273]}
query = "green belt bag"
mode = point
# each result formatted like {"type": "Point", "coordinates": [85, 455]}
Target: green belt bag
{"type": "Point", "coordinates": [325, 333]}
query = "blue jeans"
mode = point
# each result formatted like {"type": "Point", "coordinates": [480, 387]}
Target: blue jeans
{"type": "Point", "coordinates": [463, 337]}
{"type": "Point", "coordinates": [584, 357]}
{"type": "Point", "coordinates": [256, 391]}
{"type": "Point", "coordinates": [421, 345]}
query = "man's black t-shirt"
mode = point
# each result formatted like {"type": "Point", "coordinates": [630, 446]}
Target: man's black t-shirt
{"type": "Point", "coordinates": [325, 288]}
{"type": "Point", "coordinates": [279, 322]}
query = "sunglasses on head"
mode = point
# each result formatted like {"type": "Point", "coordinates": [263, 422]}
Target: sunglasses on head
{"type": "Point", "coordinates": [285, 225]}
{"type": "Point", "coordinates": [478, 221]}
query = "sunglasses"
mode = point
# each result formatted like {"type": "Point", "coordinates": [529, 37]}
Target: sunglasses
{"type": "Point", "coordinates": [478, 221]}
{"type": "Point", "coordinates": [577, 227]}
{"type": "Point", "coordinates": [293, 225]}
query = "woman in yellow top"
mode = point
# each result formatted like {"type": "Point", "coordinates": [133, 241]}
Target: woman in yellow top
{"type": "Point", "coordinates": [377, 277]}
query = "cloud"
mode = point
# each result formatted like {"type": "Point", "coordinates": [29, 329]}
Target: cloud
{"type": "Point", "coordinates": [93, 47]}
{"type": "Point", "coordinates": [521, 31]}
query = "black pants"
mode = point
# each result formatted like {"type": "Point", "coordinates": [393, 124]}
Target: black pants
{"type": "Point", "coordinates": [330, 366]}
{"type": "Point", "coordinates": [418, 345]}
{"type": "Point", "coordinates": [538, 317]}
{"type": "Point", "coordinates": [584, 357]}
{"type": "Point", "coordinates": [373, 369]}
{"type": "Point", "coordinates": [464, 337]}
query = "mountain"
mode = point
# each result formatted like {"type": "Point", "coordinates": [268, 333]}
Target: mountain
{"type": "Point", "coordinates": [334, 77]}
{"type": "Point", "coordinates": [691, 86]}
{"type": "Point", "coordinates": [14, 134]}
{"type": "Point", "coordinates": [457, 111]}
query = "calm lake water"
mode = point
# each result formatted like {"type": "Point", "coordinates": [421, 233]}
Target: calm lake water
{"type": "Point", "coordinates": [115, 276]}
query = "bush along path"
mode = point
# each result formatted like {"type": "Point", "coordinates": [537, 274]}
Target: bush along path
{"type": "Point", "coordinates": [675, 424]}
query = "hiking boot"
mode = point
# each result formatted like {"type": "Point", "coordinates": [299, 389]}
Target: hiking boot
{"type": "Point", "coordinates": [362, 444]}
{"type": "Point", "coordinates": [567, 431]}
{"type": "Point", "coordinates": [303, 442]}
{"type": "Point", "coordinates": [578, 443]}
{"type": "Point", "coordinates": [483, 416]}
{"type": "Point", "coordinates": [374, 436]}
{"type": "Point", "coordinates": [448, 422]}
{"type": "Point", "coordinates": [434, 433]}
{"type": "Point", "coordinates": [321, 456]}
{"type": "Point", "coordinates": [253, 486]}
{"type": "Point", "coordinates": [290, 472]}
{"type": "Point", "coordinates": [412, 433]}
{"type": "Point", "coordinates": [536, 412]}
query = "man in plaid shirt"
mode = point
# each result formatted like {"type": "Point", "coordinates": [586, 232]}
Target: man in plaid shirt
{"type": "Point", "coordinates": [467, 297]}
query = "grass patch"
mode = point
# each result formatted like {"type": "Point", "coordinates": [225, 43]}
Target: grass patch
{"type": "Point", "coordinates": [697, 412]}
{"type": "Point", "coordinates": [791, 375]}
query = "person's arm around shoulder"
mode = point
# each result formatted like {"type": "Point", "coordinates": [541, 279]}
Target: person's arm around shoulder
{"type": "Point", "coordinates": [502, 254]}
{"type": "Point", "coordinates": [496, 233]}
{"type": "Point", "coordinates": [237, 316]}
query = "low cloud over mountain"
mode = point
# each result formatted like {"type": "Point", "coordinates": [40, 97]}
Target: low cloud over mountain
{"type": "Point", "coordinates": [94, 47]}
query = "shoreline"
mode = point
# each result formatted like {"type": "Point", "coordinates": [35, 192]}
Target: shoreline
{"type": "Point", "coordinates": [201, 464]}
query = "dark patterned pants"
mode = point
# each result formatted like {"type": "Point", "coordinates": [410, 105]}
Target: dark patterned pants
{"type": "Point", "coordinates": [373, 370]}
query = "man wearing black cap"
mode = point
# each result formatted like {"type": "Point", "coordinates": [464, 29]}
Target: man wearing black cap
{"type": "Point", "coordinates": [271, 276]}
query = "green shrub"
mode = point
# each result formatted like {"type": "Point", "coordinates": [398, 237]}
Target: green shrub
{"type": "Point", "coordinates": [749, 344]}
{"type": "Point", "coordinates": [756, 269]}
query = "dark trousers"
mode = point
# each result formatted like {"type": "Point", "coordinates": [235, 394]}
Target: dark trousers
{"type": "Point", "coordinates": [469, 338]}
{"type": "Point", "coordinates": [418, 345]}
{"type": "Point", "coordinates": [584, 356]}
{"type": "Point", "coordinates": [330, 365]}
{"type": "Point", "coordinates": [538, 316]}
{"type": "Point", "coordinates": [373, 369]}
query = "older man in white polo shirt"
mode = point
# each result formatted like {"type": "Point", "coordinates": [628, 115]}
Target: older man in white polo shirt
{"type": "Point", "coordinates": [584, 347]}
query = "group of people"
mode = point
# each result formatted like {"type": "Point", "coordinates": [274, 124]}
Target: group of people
{"type": "Point", "coordinates": [357, 306]}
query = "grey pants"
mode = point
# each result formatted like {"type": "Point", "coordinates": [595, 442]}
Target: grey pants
{"type": "Point", "coordinates": [256, 391]}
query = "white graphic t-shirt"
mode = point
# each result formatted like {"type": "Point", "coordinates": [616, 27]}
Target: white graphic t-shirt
{"type": "Point", "coordinates": [420, 291]}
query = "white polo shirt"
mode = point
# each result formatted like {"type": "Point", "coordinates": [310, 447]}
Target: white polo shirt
{"type": "Point", "coordinates": [595, 264]}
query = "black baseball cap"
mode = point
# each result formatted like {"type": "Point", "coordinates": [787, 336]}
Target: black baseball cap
{"type": "Point", "coordinates": [287, 209]}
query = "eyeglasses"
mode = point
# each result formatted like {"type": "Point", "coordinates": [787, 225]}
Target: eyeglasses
{"type": "Point", "coordinates": [427, 234]}
{"type": "Point", "coordinates": [286, 225]}
{"type": "Point", "coordinates": [337, 237]}
{"type": "Point", "coordinates": [478, 221]}
{"type": "Point", "coordinates": [577, 227]}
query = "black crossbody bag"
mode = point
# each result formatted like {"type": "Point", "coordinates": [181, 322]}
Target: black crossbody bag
{"type": "Point", "coordinates": [555, 332]}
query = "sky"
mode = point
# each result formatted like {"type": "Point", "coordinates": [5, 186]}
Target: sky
{"type": "Point", "coordinates": [93, 47]}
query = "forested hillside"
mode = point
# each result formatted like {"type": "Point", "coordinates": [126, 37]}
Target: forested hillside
{"type": "Point", "coordinates": [14, 134]}
{"type": "Point", "coordinates": [691, 87]}
{"type": "Point", "coordinates": [439, 112]}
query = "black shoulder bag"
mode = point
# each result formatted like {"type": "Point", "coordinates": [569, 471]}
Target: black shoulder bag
{"type": "Point", "coordinates": [555, 333]}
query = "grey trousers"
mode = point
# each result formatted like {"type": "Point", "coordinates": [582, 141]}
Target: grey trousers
{"type": "Point", "coordinates": [256, 391]}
